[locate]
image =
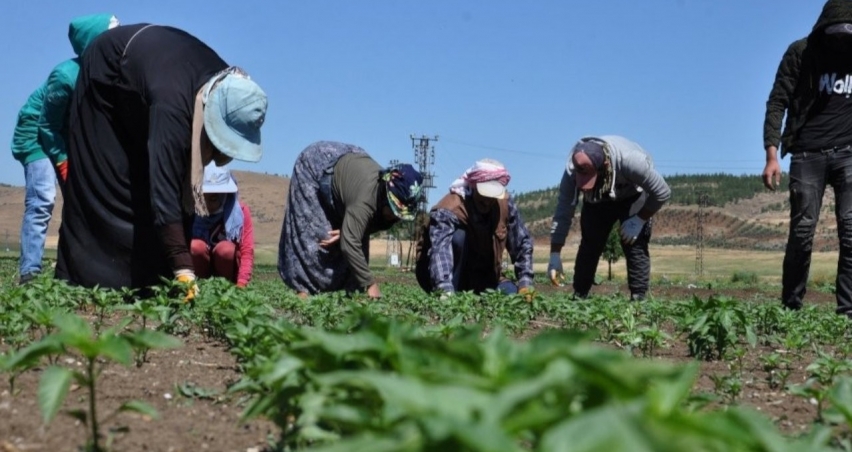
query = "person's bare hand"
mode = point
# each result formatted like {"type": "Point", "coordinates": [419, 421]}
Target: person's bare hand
{"type": "Point", "coordinates": [373, 291]}
{"type": "Point", "coordinates": [772, 170]}
{"type": "Point", "coordinates": [333, 237]}
{"type": "Point", "coordinates": [772, 175]}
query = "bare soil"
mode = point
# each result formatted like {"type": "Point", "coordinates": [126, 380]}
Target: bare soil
{"type": "Point", "coordinates": [185, 423]}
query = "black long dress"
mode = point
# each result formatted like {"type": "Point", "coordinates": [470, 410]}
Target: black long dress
{"type": "Point", "coordinates": [123, 223]}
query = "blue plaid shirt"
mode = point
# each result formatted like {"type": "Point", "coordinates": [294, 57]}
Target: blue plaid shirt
{"type": "Point", "coordinates": [442, 224]}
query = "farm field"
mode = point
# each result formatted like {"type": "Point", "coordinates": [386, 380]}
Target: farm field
{"type": "Point", "coordinates": [711, 364]}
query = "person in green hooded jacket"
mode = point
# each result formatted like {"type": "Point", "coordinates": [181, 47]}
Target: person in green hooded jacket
{"type": "Point", "coordinates": [38, 141]}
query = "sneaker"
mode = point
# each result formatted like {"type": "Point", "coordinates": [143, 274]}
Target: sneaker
{"type": "Point", "coordinates": [27, 278]}
{"type": "Point", "coordinates": [637, 297]}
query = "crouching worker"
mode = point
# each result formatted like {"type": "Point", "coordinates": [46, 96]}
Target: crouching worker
{"type": "Point", "coordinates": [461, 248]}
{"type": "Point", "coordinates": [223, 241]}
{"type": "Point", "coordinates": [339, 196]}
{"type": "Point", "coordinates": [619, 183]}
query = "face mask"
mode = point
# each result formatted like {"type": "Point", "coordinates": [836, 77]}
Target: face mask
{"type": "Point", "coordinates": [838, 41]}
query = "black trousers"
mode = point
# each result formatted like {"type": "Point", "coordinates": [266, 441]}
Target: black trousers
{"type": "Point", "coordinates": [596, 222]}
{"type": "Point", "coordinates": [810, 173]}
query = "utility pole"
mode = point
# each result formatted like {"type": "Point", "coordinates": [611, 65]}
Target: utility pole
{"type": "Point", "coordinates": [424, 158]}
{"type": "Point", "coordinates": [700, 216]}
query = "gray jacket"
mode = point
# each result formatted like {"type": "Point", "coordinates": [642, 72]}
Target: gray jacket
{"type": "Point", "coordinates": [633, 173]}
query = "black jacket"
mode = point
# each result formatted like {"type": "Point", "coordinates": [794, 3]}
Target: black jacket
{"type": "Point", "coordinates": [796, 81]}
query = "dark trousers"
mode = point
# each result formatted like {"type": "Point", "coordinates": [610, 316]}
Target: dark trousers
{"type": "Point", "coordinates": [810, 173]}
{"type": "Point", "coordinates": [596, 222]}
{"type": "Point", "coordinates": [464, 277]}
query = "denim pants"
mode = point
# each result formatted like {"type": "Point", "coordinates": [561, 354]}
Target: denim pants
{"type": "Point", "coordinates": [462, 278]}
{"type": "Point", "coordinates": [40, 196]}
{"type": "Point", "coordinates": [596, 221]}
{"type": "Point", "coordinates": [810, 173]}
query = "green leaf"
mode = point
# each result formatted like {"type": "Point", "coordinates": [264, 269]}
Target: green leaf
{"type": "Point", "coordinates": [52, 390]}
{"type": "Point", "coordinates": [667, 396]}
{"type": "Point", "coordinates": [153, 340]}
{"type": "Point", "coordinates": [115, 348]}
{"type": "Point", "coordinates": [137, 406]}
{"type": "Point", "coordinates": [73, 326]}
{"type": "Point", "coordinates": [30, 355]}
{"type": "Point", "coordinates": [282, 368]}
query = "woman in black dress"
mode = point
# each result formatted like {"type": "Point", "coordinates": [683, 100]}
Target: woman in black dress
{"type": "Point", "coordinates": [153, 105]}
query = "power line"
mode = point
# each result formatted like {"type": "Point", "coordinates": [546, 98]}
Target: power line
{"type": "Point", "coordinates": [511, 151]}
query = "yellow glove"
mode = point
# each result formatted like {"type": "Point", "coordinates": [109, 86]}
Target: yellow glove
{"type": "Point", "coordinates": [186, 278]}
{"type": "Point", "coordinates": [528, 293]}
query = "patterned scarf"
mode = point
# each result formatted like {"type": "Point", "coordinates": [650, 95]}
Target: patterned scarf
{"type": "Point", "coordinates": [404, 185]}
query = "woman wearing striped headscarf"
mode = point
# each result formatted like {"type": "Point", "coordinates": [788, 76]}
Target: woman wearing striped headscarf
{"type": "Point", "coordinates": [339, 196]}
{"type": "Point", "coordinates": [469, 229]}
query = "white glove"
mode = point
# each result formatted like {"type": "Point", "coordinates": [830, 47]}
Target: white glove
{"type": "Point", "coordinates": [631, 228]}
{"type": "Point", "coordinates": [554, 270]}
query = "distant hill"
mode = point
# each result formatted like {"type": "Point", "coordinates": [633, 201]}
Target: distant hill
{"type": "Point", "coordinates": [740, 213]}
{"type": "Point", "coordinates": [265, 194]}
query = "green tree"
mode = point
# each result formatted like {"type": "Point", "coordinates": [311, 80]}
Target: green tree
{"type": "Point", "coordinates": [612, 250]}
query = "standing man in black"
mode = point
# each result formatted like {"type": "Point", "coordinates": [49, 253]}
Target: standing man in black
{"type": "Point", "coordinates": [813, 86]}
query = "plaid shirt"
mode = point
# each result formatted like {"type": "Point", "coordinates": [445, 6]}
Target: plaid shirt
{"type": "Point", "coordinates": [442, 224]}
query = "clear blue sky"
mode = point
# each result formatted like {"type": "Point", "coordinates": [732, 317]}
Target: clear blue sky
{"type": "Point", "coordinates": [518, 81]}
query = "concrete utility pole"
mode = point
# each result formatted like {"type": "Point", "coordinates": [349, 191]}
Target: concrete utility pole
{"type": "Point", "coordinates": [700, 216]}
{"type": "Point", "coordinates": [424, 158]}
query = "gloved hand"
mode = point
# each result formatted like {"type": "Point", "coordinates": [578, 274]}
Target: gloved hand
{"type": "Point", "coordinates": [528, 293]}
{"type": "Point", "coordinates": [554, 270]}
{"type": "Point", "coordinates": [631, 228]}
{"type": "Point", "coordinates": [62, 171]}
{"type": "Point", "coordinates": [186, 278]}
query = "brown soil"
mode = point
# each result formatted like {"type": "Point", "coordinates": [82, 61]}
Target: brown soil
{"type": "Point", "coordinates": [185, 424]}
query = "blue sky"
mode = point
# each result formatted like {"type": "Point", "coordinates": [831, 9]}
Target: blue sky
{"type": "Point", "coordinates": [518, 81]}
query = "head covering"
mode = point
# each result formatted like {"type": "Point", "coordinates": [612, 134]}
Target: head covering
{"type": "Point", "coordinates": [833, 12]}
{"type": "Point", "coordinates": [403, 184]}
{"type": "Point", "coordinates": [842, 28]}
{"type": "Point", "coordinates": [218, 179]}
{"type": "Point", "coordinates": [234, 110]}
{"type": "Point", "coordinates": [591, 160]}
{"type": "Point", "coordinates": [84, 29]}
{"type": "Point", "coordinates": [488, 177]}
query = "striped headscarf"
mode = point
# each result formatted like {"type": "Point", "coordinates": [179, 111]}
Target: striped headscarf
{"type": "Point", "coordinates": [485, 170]}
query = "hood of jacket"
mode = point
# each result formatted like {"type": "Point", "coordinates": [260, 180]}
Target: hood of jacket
{"type": "Point", "coordinates": [84, 29]}
{"type": "Point", "coordinates": [834, 12]}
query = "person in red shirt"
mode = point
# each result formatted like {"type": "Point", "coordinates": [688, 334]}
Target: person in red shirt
{"type": "Point", "coordinates": [223, 241]}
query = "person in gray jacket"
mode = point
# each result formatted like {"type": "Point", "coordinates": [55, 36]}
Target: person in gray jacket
{"type": "Point", "coordinates": [619, 183]}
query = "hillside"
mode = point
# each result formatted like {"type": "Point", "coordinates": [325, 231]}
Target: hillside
{"type": "Point", "coordinates": [265, 194]}
{"type": "Point", "coordinates": [739, 213]}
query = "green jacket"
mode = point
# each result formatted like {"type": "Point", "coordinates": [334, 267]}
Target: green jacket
{"type": "Point", "coordinates": [796, 81]}
{"type": "Point", "coordinates": [42, 127]}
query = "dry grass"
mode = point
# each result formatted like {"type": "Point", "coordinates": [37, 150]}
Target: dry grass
{"type": "Point", "coordinates": [671, 261]}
